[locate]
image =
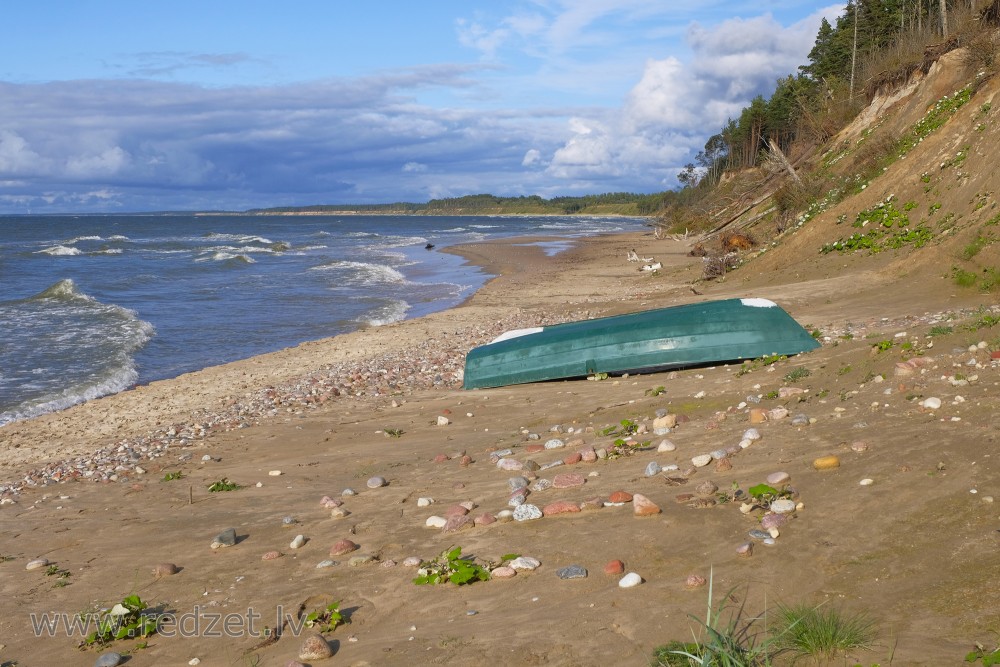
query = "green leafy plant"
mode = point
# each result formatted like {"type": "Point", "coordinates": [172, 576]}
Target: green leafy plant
{"type": "Point", "coordinates": [223, 485]}
{"type": "Point", "coordinates": [765, 494]}
{"type": "Point", "coordinates": [61, 574]}
{"type": "Point", "coordinates": [598, 377]}
{"type": "Point", "coordinates": [844, 370]}
{"type": "Point", "coordinates": [940, 330]}
{"type": "Point", "coordinates": [123, 621]}
{"type": "Point", "coordinates": [393, 432]}
{"type": "Point", "coordinates": [171, 476]}
{"type": "Point", "coordinates": [656, 391]}
{"type": "Point", "coordinates": [771, 395]}
{"type": "Point", "coordinates": [450, 566]}
{"type": "Point", "coordinates": [988, 658]}
{"type": "Point", "coordinates": [325, 619]}
{"type": "Point", "coordinates": [761, 362]}
{"type": "Point", "coordinates": [883, 345]}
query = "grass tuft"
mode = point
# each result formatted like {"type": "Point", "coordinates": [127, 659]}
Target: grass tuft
{"type": "Point", "coordinates": [823, 632]}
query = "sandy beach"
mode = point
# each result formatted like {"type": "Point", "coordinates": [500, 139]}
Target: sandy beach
{"type": "Point", "coordinates": [914, 547]}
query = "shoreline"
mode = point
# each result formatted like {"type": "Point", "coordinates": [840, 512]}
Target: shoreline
{"type": "Point", "coordinates": [145, 421]}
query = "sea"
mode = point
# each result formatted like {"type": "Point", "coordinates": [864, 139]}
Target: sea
{"type": "Point", "coordinates": [93, 305]}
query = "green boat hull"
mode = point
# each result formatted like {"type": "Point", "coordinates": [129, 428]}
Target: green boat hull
{"type": "Point", "coordinates": [691, 335]}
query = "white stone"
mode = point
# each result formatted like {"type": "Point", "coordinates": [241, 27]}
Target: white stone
{"type": "Point", "coordinates": [702, 460]}
{"type": "Point", "coordinates": [297, 542]}
{"type": "Point", "coordinates": [436, 522]}
{"type": "Point", "coordinates": [630, 580]}
{"type": "Point", "coordinates": [274, 473]}
{"type": "Point", "coordinates": [443, 421]}
{"type": "Point", "coordinates": [666, 446]}
{"type": "Point", "coordinates": [36, 564]}
{"type": "Point", "coordinates": [524, 563]}
{"type": "Point", "coordinates": [554, 443]}
{"type": "Point", "coordinates": [751, 434]}
{"type": "Point", "coordinates": [424, 502]}
{"type": "Point", "coordinates": [783, 506]}
{"type": "Point", "coordinates": [931, 403]}
{"type": "Point", "coordinates": [867, 481]}
{"type": "Point", "coordinates": [527, 512]}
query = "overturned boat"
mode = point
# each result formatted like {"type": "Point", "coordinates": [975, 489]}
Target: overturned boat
{"type": "Point", "coordinates": [690, 335]}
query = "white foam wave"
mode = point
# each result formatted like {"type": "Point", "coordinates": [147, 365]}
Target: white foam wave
{"type": "Point", "coordinates": [399, 241]}
{"type": "Point", "coordinates": [107, 251]}
{"type": "Point", "coordinates": [222, 256]}
{"type": "Point", "coordinates": [58, 251]}
{"type": "Point", "coordinates": [393, 311]}
{"type": "Point", "coordinates": [118, 237]}
{"type": "Point", "coordinates": [238, 238]}
{"type": "Point", "coordinates": [484, 226]}
{"type": "Point", "coordinates": [363, 273]}
{"type": "Point", "coordinates": [83, 238]}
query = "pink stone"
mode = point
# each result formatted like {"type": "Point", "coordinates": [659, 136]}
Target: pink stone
{"type": "Point", "coordinates": [769, 521]}
{"type": "Point", "coordinates": [695, 581]}
{"type": "Point", "coordinates": [534, 449]}
{"type": "Point", "coordinates": [455, 510]}
{"type": "Point", "coordinates": [588, 455]}
{"type": "Point", "coordinates": [485, 519]}
{"type": "Point", "coordinates": [560, 507]}
{"type": "Point", "coordinates": [643, 506]}
{"type": "Point", "coordinates": [342, 547]}
{"type": "Point", "coordinates": [503, 572]}
{"type": "Point", "coordinates": [776, 478]}
{"type": "Point", "coordinates": [440, 458]}
{"type": "Point", "coordinates": [466, 461]}
{"type": "Point", "coordinates": [457, 523]}
{"type": "Point", "coordinates": [271, 555]}
{"type": "Point", "coordinates": [745, 550]}
{"type": "Point", "coordinates": [614, 567]}
{"type": "Point", "coordinates": [572, 459]}
{"type": "Point", "coordinates": [509, 464]}
{"type": "Point", "coordinates": [620, 497]}
{"type": "Point", "coordinates": [723, 465]}
{"type": "Point", "coordinates": [164, 570]}
{"type": "Point", "coordinates": [568, 480]}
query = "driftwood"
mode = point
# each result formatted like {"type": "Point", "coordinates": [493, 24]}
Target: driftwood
{"type": "Point", "coordinates": [783, 161]}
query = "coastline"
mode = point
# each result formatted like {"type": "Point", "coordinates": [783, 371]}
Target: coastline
{"type": "Point", "coordinates": [375, 420]}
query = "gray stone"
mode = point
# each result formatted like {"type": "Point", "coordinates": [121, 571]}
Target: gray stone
{"type": "Point", "coordinates": [554, 443]}
{"type": "Point", "coordinates": [652, 469]}
{"type": "Point", "coordinates": [758, 534]}
{"type": "Point", "coordinates": [572, 572]}
{"type": "Point", "coordinates": [516, 483]}
{"type": "Point", "coordinates": [376, 482]}
{"type": "Point", "coordinates": [541, 484]}
{"type": "Point", "coordinates": [110, 659]}
{"type": "Point", "coordinates": [226, 538]}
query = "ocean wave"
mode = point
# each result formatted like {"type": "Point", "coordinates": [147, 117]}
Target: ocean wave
{"type": "Point", "coordinates": [107, 251]}
{"type": "Point", "coordinates": [59, 251]}
{"type": "Point", "coordinates": [223, 256]}
{"type": "Point", "coordinates": [399, 241]}
{"type": "Point", "coordinates": [453, 230]}
{"type": "Point", "coordinates": [66, 347]}
{"type": "Point", "coordinates": [238, 238]}
{"type": "Point", "coordinates": [485, 226]}
{"type": "Point", "coordinates": [82, 238]}
{"type": "Point", "coordinates": [363, 273]}
{"type": "Point", "coordinates": [119, 237]}
{"type": "Point", "coordinates": [394, 311]}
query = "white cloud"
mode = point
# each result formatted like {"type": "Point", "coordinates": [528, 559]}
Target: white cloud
{"type": "Point", "coordinates": [414, 167]}
{"type": "Point", "coordinates": [531, 158]}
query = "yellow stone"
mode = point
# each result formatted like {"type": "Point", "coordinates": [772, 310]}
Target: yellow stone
{"type": "Point", "coordinates": [826, 463]}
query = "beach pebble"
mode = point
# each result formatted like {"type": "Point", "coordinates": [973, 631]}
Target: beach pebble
{"type": "Point", "coordinates": [614, 567]}
{"type": "Point", "coordinates": [342, 547]}
{"type": "Point", "coordinates": [751, 434]}
{"type": "Point", "coordinates": [931, 403]}
{"type": "Point", "coordinates": [777, 478]}
{"type": "Point", "coordinates": [572, 572]}
{"type": "Point", "coordinates": [485, 519]}
{"type": "Point", "coordinates": [517, 483]}
{"type": "Point", "coordinates": [758, 415]}
{"type": "Point", "coordinates": [289, 521]}
{"type": "Point", "coordinates": [665, 421]}
{"type": "Point", "coordinates": [719, 454]}
{"type": "Point", "coordinates": [505, 516]}
{"type": "Point", "coordinates": [458, 522]}
{"type": "Point", "coordinates": [620, 497]}
{"type": "Point", "coordinates": [274, 473]}
{"type": "Point", "coordinates": [777, 414]}
{"type": "Point", "coordinates": [826, 463]}
{"type": "Point", "coordinates": [503, 572]}
{"type": "Point", "coordinates": [509, 464]}
{"type": "Point", "coordinates": [297, 542]}
{"type": "Point", "coordinates": [348, 492]}
{"type": "Point", "coordinates": [363, 559]}
{"type": "Point", "coordinates": [867, 481]}
{"type": "Point", "coordinates": [315, 648]}
{"type": "Point", "coordinates": [525, 563]}
{"type": "Point", "coordinates": [568, 480]}
{"type": "Point", "coordinates": [758, 534]}
{"type": "Point", "coordinates": [110, 659]}
{"type": "Point", "coordinates": [588, 455]}
{"type": "Point", "coordinates": [643, 506]}
{"type": "Point", "coordinates": [769, 521]}
{"type": "Point", "coordinates": [666, 446]}
{"type": "Point", "coordinates": [338, 513]}
{"type": "Point", "coordinates": [271, 555]}
{"type": "Point", "coordinates": [630, 580]}
{"type": "Point", "coordinates": [329, 503]}
{"type": "Point", "coordinates": [554, 443]}
{"type": "Point", "coordinates": [652, 468]}
{"type": "Point", "coordinates": [695, 581]}
{"type": "Point", "coordinates": [724, 465]}
{"type": "Point", "coordinates": [36, 564]}
{"type": "Point", "coordinates": [701, 460]}
{"type": "Point", "coordinates": [226, 538]}
{"type": "Point", "coordinates": [411, 561]}
{"type": "Point", "coordinates": [783, 506]}
{"type": "Point", "coordinates": [541, 484]}
{"type": "Point", "coordinates": [194, 661]}
{"type": "Point", "coordinates": [527, 512]}
{"type": "Point", "coordinates": [424, 502]}
{"type": "Point", "coordinates": [164, 570]}
{"type": "Point", "coordinates": [745, 550]}
{"type": "Point", "coordinates": [800, 420]}
{"type": "Point", "coordinates": [376, 482]}
{"type": "Point", "coordinates": [325, 563]}
{"type": "Point", "coordinates": [560, 507]}
{"type": "Point", "coordinates": [443, 421]}
{"type": "Point", "coordinates": [436, 522]}
{"type": "Point", "coordinates": [706, 488]}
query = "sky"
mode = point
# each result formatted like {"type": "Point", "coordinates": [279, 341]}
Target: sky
{"type": "Point", "coordinates": [125, 106]}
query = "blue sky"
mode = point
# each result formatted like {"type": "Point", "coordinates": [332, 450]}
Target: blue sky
{"type": "Point", "coordinates": [107, 105]}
